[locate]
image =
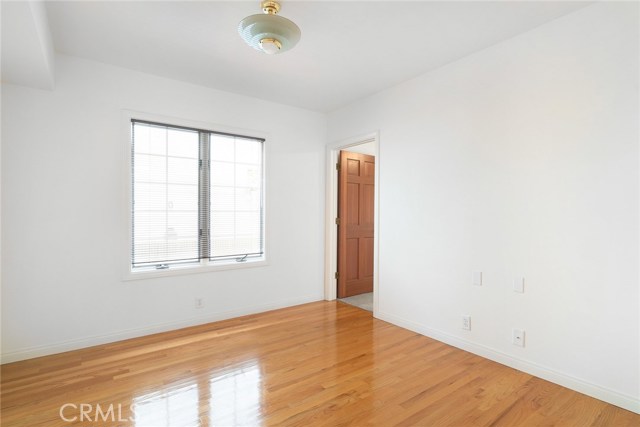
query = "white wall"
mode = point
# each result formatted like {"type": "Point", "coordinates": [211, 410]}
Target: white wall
{"type": "Point", "coordinates": [366, 148]}
{"type": "Point", "coordinates": [64, 222]}
{"type": "Point", "coordinates": [519, 160]}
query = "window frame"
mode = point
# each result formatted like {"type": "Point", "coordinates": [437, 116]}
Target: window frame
{"type": "Point", "coordinates": [204, 265]}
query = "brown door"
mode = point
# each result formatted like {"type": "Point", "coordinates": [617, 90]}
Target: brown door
{"type": "Point", "coordinates": [355, 227]}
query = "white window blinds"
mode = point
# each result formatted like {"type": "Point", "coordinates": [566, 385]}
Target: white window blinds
{"type": "Point", "coordinates": [196, 195]}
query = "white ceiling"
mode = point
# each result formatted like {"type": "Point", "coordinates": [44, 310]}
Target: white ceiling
{"type": "Point", "coordinates": [348, 50]}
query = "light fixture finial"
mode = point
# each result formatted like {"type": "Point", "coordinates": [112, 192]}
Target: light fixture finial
{"type": "Point", "coordinates": [270, 7]}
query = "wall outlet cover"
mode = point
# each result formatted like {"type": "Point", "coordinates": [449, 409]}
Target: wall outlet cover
{"type": "Point", "coordinates": [466, 322]}
{"type": "Point", "coordinates": [518, 337]}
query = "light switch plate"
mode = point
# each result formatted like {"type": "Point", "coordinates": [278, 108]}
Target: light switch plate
{"type": "Point", "coordinates": [518, 285]}
{"type": "Point", "coordinates": [477, 278]}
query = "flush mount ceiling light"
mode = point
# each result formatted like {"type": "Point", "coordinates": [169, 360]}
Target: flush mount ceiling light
{"type": "Point", "coordinates": [269, 32]}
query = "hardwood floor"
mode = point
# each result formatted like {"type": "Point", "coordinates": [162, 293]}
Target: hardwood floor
{"type": "Point", "coordinates": [324, 363]}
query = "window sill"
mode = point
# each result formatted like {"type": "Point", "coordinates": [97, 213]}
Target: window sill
{"type": "Point", "coordinates": [192, 269]}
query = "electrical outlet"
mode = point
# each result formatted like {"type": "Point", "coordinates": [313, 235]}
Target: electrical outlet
{"type": "Point", "coordinates": [518, 337]}
{"type": "Point", "coordinates": [199, 302]}
{"type": "Point", "coordinates": [466, 322]}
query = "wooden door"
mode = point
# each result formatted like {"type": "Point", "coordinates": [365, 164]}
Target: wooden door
{"type": "Point", "coordinates": [355, 223]}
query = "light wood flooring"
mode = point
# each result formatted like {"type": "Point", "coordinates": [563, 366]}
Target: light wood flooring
{"type": "Point", "coordinates": [324, 363]}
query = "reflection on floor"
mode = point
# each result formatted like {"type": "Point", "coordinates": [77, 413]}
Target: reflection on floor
{"type": "Point", "coordinates": [363, 301]}
{"type": "Point", "coordinates": [233, 397]}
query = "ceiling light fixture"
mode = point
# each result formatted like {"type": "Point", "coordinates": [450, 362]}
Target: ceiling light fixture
{"type": "Point", "coordinates": [269, 32]}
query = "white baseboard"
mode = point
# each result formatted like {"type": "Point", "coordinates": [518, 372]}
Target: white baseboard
{"type": "Point", "coordinates": [45, 350]}
{"type": "Point", "coordinates": [630, 403]}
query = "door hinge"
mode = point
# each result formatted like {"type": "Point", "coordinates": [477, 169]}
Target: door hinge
{"type": "Point", "coordinates": [337, 221]}
{"type": "Point", "coordinates": [337, 166]}
{"type": "Point", "coordinates": [337, 275]}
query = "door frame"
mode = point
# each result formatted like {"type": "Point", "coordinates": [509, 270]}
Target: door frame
{"type": "Point", "coordinates": [331, 212]}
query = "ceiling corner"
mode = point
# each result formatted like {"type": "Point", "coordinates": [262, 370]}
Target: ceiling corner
{"type": "Point", "coordinates": [28, 57]}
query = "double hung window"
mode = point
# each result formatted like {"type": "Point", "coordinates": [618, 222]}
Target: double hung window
{"type": "Point", "coordinates": [197, 197]}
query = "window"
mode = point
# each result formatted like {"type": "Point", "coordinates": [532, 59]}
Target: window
{"type": "Point", "coordinates": [197, 197]}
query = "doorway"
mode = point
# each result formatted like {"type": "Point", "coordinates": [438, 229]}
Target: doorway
{"type": "Point", "coordinates": [352, 236]}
